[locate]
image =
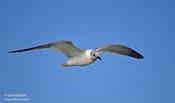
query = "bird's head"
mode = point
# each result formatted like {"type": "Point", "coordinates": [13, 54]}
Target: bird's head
{"type": "Point", "coordinates": [93, 55]}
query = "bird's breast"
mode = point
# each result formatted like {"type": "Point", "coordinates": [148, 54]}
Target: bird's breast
{"type": "Point", "coordinates": [79, 61]}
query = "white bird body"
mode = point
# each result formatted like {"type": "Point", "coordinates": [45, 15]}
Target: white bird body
{"type": "Point", "coordinates": [81, 60]}
{"type": "Point", "coordinates": [78, 57]}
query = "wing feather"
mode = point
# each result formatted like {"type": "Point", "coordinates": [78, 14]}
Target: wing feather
{"type": "Point", "coordinates": [120, 49]}
{"type": "Point", "coordinates": [66, 47]}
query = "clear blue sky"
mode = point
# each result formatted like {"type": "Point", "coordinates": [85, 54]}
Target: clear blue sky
{"type": "Point", "coordinates": [144, 25]}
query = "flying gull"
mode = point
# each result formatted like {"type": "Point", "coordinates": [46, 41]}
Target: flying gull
{"type": "Point", "coordinates": [79, 57]}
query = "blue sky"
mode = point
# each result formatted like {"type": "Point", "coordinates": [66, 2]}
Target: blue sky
{"type": "Point", "coordinates": [144, 25]}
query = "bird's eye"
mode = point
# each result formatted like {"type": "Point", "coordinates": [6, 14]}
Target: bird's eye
{"type": "Point", "coordinates": [93, 54]}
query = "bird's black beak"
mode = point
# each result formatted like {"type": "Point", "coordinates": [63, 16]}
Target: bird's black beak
{"type": "Point", "coordinates": [99, 58]}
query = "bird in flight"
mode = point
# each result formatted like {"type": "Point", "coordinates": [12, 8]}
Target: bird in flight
{"type": "Point", "coordinates": [79, 57]}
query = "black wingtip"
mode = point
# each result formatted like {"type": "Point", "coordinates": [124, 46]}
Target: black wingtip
{"type": "Point", "coordinates": [15, 51]}
{"type": "Point", "coordinates": [136, 55]}
{"type": "Point", "coordinates": [11, 52]}
{"type": "Point", "coordinates": [139, 56]}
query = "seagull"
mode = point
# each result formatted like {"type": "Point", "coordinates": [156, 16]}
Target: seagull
{"type": "Point", "coordinates": [79, 57]}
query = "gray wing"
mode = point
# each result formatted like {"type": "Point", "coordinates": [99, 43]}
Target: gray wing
{"type": "Point", "coordinates": [66, 47]}
{"type": "Point", "coordinates": [120, 49]}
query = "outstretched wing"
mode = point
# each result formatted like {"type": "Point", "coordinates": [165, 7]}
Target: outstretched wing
{"type": "Point", "coordinates": [66, 47]}
{"type": "Point", "coordinates": [120, 49]}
